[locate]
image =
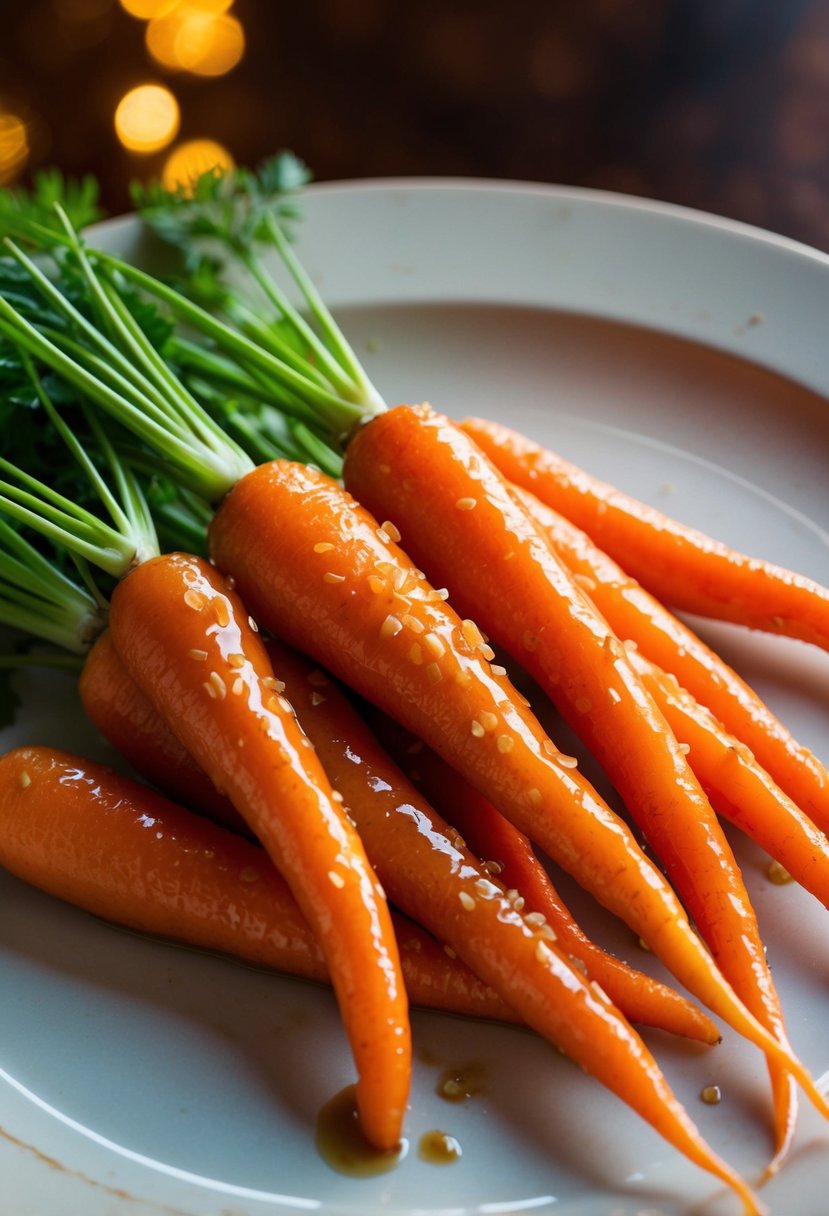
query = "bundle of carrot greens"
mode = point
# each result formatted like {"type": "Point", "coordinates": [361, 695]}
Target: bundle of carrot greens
{"type": "Point", "coordinates": [352, 548]}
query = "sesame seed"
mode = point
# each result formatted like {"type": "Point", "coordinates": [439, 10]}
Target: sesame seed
{"type": "Point", "coordinates": [209, 689]}
{"type": "Point", "coordinates": [471, 633]}
{"type": "Point", "coordinates": [615, 696]}
{"type": "Point", "coordinates": [477, 730]}
{"type": "Point", "coordinates": [323, 546]}
{"type": "Point", "coordinates": [463, 677]}
{"type": "Point", "coordinates": [505, 743]}
{"type": "Point", "coordinates": [685, 748]}
{"type": "Point", "coordinates": [221, 612]}
{"type": "Point", "coordinates": [466, 504]}
{"type": "Point", "coordinates": [337, 796]}
{"type": "Point", "coordinates": [238, 686]}
{"type": "Point", "coordinates": [535, 919]}
{"type": "Point", "coordinates": [383, 535]}
{"type": "Point", "coordinates": [412, 623]}
{"type": "Point", "coordinates": [442, 593]}
{"type": "Point", "coordinates": [518, 903]}
{"type": "Point", "coordinates": [599, 992]}
{"type": "Point", "coordinates": [488, 720]}
{"type": "Point", "coordinates": [567, 761]}
{"type": "Point", "coordinates": [387, 568]}
{"type": "Point", "coordinates": [219, 684]}
{"type": "Point", "coordinates": [198, 654]}
{"type": "Point", "coordinates": [253, 624]}
{"type": "Point", "coordinates": [391, 626]}
{"type": "Point", "coordinates": [416, 653]}
{"type": "Point", "coordinates": [578, 964]}
{"type": "Point", "coordinates": [498, 670]}
{"type": "Point", "coordinates": [236, 660]}
{"type": "Point", "coordinates": [25, 780]}
{"type": "Point", "coordinates": [543, 952]}
{"type": "Point", "coordinates": [317, 698]}
{"type": "Point", "coordinates": [467, 901]}
{"type": "Point", "coordinates": [643, 945]}
{"type": "Point", "coordinates": [534, 795]}
{"type": "Point", "coordinates": [550, 747]}
{"type": "Point", "coordinates": [194, 599]}
{"type": "Point", "coordinates": [434, 673]}
{"type": "Point", "coordinates": [249, 874]}
{"type": "Point", "coordinates": [376, 584]}
{"type": "Point", "coordinates": [392, 532]}
{"type": "Point", "coordinates": [433, 644]}
{"type": "Point", "coordinates": [449, 952]}
{"type": "Point", "coordinates": [492, 867]}
{"type": "Point", "coordinates": [486, 889]}
{"type": "Point", "coordinates": [285, 705]}
{"type": "Point", "coordinates": [331, 577]}
{"type": "Point", "coordinates": [336, 879]}
{"type": "Point", "coordinates": [400, 580]}
{"type": "Point", "coordinates": [548, 933]}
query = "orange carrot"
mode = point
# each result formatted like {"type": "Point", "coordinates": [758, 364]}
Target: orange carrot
{"type": "Point", "coordinates": [115, 704]}
{"type": "Point", "coordinates": [436, 880]}
{"type": "Point", "coordinates": [316, 567]}
{"type": "Point", "coordinates": [98, 840]}
{"type": "Point", "coordinates": [740, 789]}
{"type": "Point", "coordinates": [547, 623]}
{"type": "Point", "coordinates": [681, 566]}
{"type": "Point", "coordinates": [508, 855]}
{"type": "Point", "coordinates": [186, 640]}
{"type": "Point", "coordinates": [633, 613]}
{"type": "Point", "coordinates": [156, 753]}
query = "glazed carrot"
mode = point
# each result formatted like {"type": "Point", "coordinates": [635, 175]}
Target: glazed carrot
{"type": "Point", "coordinates": [122, 713]}
{"type": "Point", "coordinates": [156, 753]}
{"type": "Point", "coordinates": [549, 625]}
{"type": "Point", "coordinates": [739, 788]}
{"type": "Point", "coordinates": [316, 567]}
{"type": "Point", "coordinates": [508, 855]}
{"type": "Point", "coordinates": [633, 613]}
{"type": "Point", "coordinates": [98, 840]}
{"type": "Point", "coordinates": [681, 566]}
{"type": "Point", "coordinates": [186, 640]}
{"type": "Point", "coordinates": [433, 877]}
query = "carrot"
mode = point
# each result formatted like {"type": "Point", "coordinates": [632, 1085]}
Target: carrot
{"type": "Point", "coordinates": [433, 877]}
{"type": "Point", "coordinates": [634, 614]}
{"type": "Point", "coordinates": [186, 640]}
{"type": "Point", "coordinates": [549, 625]}
{"type": "Point", "coordinates": [682, 567]}
{"type": "Point", "coordinates": [316, 567]}
{"type": "Point", "coordinates": [739, 788]}
{"type": "Point", "coordinates": [508, 855]}
{"type": "Point", "coordinates": [79, 831]}
{"type": "Point", "coordinates": [122, 713]}
{"type": "Point", "coordinates": [155, 752]}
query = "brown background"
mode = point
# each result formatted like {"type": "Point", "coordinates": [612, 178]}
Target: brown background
{"type": "Point", "coordinates": [718, 104]}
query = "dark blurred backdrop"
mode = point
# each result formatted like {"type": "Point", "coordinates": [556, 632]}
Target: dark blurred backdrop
{"type": "Point", "coordinates": [718, 104]}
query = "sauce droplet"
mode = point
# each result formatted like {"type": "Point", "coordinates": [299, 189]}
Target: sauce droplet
{"type": "Point", "coordinates": [342, 1145]}
{"type": "Point", "coordinates": [439, 1148]}
{"type": "Point", "coordinates": [458, 1084]}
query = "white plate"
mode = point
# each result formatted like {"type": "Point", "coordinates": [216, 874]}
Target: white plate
{"type": "Point", "coordinates": [680, 356]}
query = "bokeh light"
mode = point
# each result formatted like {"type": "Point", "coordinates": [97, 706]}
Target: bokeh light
{"type": "Point", "coordinates": [145, 10]}
{"type": "Point", "coordinates": [14, 146]}
{"type": "Point", "coordinates": [195, 38]}
{"type": "Point", "coordinates": [147, 118]}
{"type": "Point", "coordinates": [191, 159]}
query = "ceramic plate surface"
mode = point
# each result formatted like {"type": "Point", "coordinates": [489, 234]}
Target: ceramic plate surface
{"type": "Point", "coordinates": [683, 358]}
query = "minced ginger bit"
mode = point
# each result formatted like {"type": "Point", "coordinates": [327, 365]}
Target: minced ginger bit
{"type": "Point", "coordinates": [712, 1094]}
{"type": "Point", "coordinates": [778, 874]}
